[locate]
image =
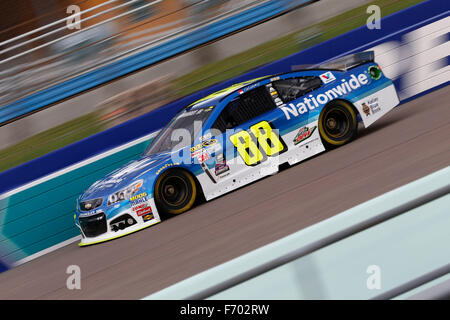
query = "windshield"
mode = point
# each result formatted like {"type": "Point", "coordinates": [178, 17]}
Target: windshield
{"type": "Point", "coordinates": [180, 132]}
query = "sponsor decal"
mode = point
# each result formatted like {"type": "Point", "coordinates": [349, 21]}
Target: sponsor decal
{"type": "Point", "coordinates": [303, 134]}
{"type": "Point", "coordinates": [167, 165]}
{"type": "Point", "coordinates": [197, 147]}
{"type": "Point", "coordinates": [139, 207]}
{"type": "Point", "coordinates": [366, 109]}
{"type": "Point", "coordinates": [138, 196]}
{"type": "Point", "coordinates": [201, 155]}
{"type": "Point", "coordinates": [220, 158]}
{"type": "Point", "coordinates": [138, 201]}
{"type": "Point", "coordinates": [209, 142]}
{"type": "Point", "coordinates": [311, 102]}
{"type": "Point", "coordinates": [147, 217]}
{"type": "Point", "coordinates": [371, 106]}
{"type": "Point", "coordinates": [221, 168]}
{"type": "Point", "coordinates": [205, 137]}
{"type": "Point", "coordinates": [221, 165]}
{"type": "Point", "coordinates": [90, 213]}
{"type": "Point", "coordinates": [375, 72]}
{"type": "Point", "coordinates": [327, 77]}
{"type": "Point", "coordinates": [196, 153]}
{"type": "Point", "coordinates": [204, 156]}
{"type": "Point", "coordinates": [144, 211]}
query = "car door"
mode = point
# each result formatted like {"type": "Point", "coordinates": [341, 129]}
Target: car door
{"type": "Point", "coordinates": [299, 116]}
{"type": "Point", "coordinates": [246, 142]}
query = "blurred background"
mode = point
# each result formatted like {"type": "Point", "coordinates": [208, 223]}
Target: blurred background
{"type": "Point", "coordinates": [184, 46]}
{"type": "Point", "coordinates": [39, 48]}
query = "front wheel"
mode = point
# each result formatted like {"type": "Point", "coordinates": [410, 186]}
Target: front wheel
{"type": "Point", "coordinates": [337, 124]}
{"type": "Point", "coordinates": [175, 192]}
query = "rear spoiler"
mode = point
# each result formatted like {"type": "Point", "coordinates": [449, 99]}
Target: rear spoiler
{"type": "Point", "coordinates": [342, 64]}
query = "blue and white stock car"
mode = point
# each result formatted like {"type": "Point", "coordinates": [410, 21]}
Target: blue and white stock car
{"type": "Point", "coordinates": [234, 137]}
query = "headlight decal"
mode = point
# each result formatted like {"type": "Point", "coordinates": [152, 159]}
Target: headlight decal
{"type": "Point", "coordinates": [126, 193]}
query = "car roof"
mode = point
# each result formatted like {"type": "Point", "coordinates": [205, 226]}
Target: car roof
{"type": "Point", "coordinates": [215, 97]}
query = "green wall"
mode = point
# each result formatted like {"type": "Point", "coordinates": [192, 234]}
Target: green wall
{"type": "Point", "coordinates": [41, 216]}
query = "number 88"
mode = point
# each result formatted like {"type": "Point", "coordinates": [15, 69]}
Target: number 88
{"type": "Point", "coordinates": [263, 136]}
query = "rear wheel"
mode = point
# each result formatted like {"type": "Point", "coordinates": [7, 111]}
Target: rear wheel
{"type": "Point", "coordinates": [175, 192]}
{"type": "Point", "coordinates": [337, 124]}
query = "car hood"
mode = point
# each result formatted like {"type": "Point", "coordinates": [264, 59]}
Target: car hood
{"type": "Point", "coordinates": [125, 175]}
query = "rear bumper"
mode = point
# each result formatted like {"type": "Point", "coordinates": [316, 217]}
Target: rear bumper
{"type": "Point", "coordinates": [374, 106]}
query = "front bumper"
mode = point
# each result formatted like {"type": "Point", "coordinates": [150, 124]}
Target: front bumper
{"type": "Point", "coordinates": [99, 228]}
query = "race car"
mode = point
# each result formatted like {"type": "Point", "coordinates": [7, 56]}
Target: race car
{"type": "Point", "coordinates": [234, 137]}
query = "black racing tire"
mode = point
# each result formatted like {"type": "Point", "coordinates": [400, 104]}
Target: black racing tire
{"type": "Point", "coordinates": [338, 124]}
{"type": "Point", "coordinates": [175, 192]}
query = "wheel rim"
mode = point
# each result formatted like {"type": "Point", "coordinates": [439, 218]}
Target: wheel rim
{"type": "Point", "coordinates": [337, 123]}
{"type": "Point", "coordinates": [174, 190]}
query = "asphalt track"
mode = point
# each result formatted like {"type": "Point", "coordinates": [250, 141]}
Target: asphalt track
{"type": "Point", "coordinates": [410, 142]}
